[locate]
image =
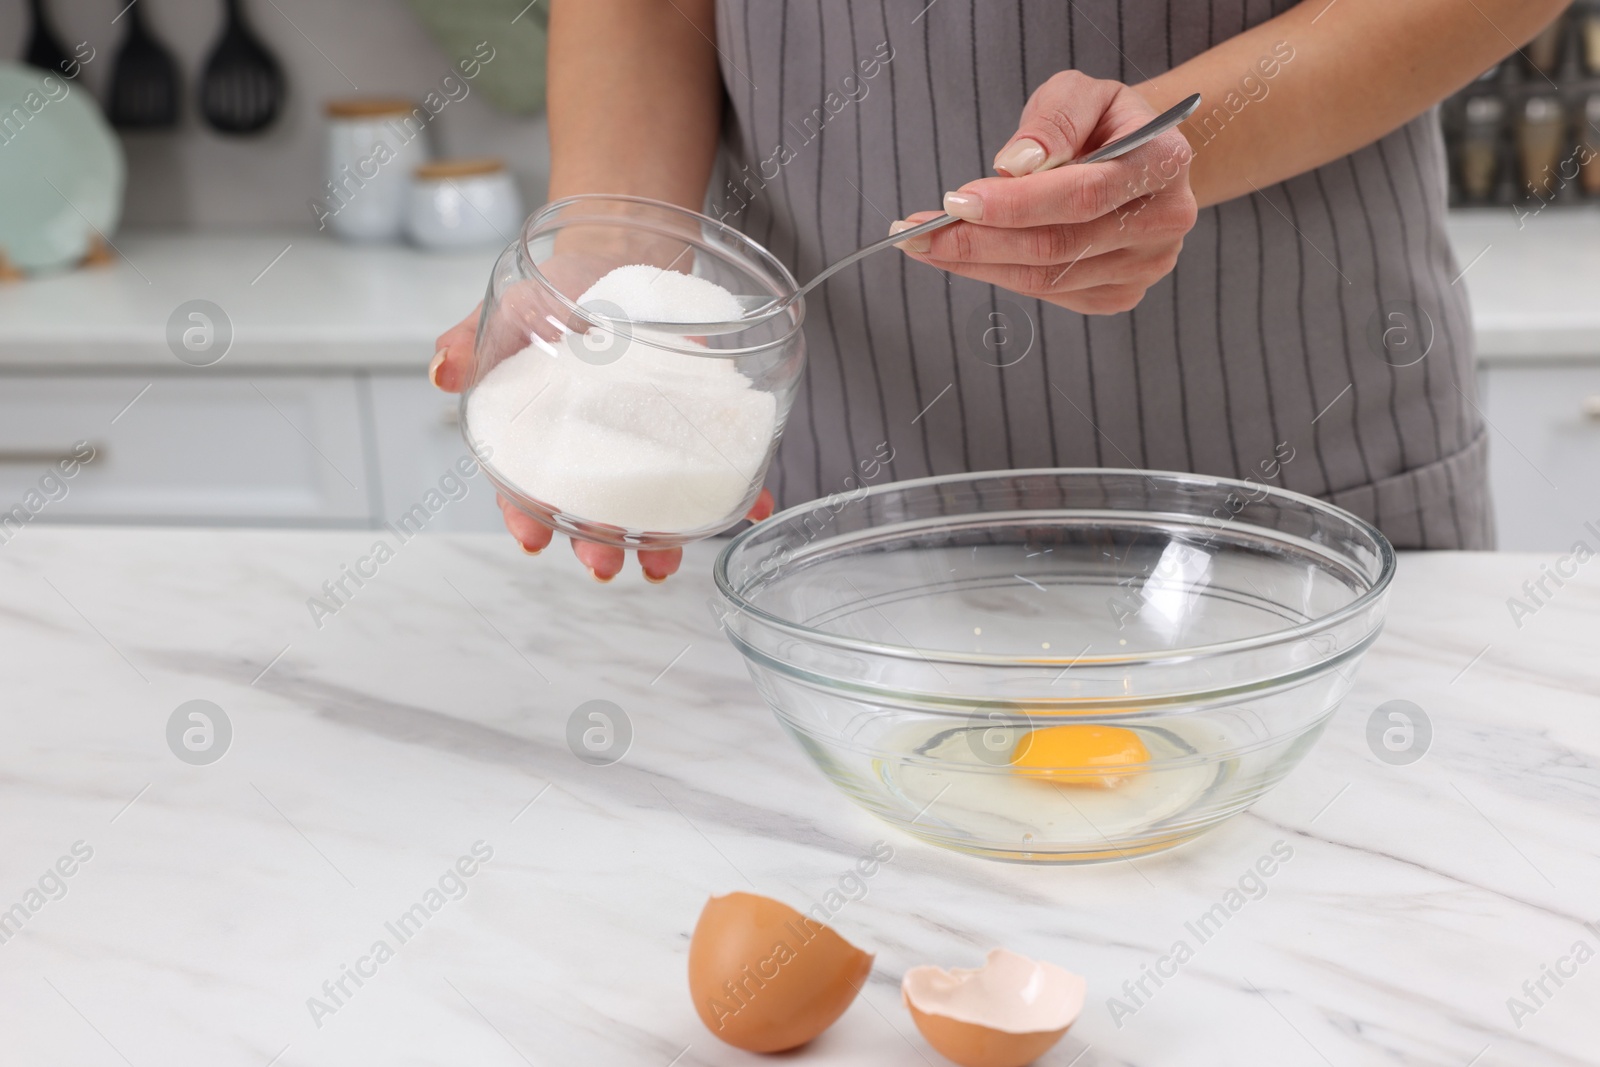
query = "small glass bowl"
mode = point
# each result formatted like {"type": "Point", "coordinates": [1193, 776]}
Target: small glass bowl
{"type": "Point", "coordinates": [918, 639]}
{"type": "Point", "coordinates": [620, 436]}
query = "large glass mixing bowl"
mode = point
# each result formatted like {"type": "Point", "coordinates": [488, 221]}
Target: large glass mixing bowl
{"type": "Point", "coordinates": [1056, 665]}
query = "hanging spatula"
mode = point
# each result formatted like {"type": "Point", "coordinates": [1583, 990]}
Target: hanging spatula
{"type": "Point", "coordinates": [144, 80]}
{"type": "Point", "coordinates": [242, 89]}
{"type": "Point", "coordinates": [45, 49]}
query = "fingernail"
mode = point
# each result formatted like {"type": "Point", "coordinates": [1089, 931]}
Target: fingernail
{"type": "Point", "coordinates": [1019, 158]}
{"type": "Point", "coordinates": [433, 368]}
{"type": "Point", "coordinates": [596, 576]}
{"type": "Point", "coordinates": [653, 580]}
{"type": "Point", "coordinates": [529, 551]}
{"type": "Point", "coordinates": [967, 206]}
{"type": "Point", "coordinates": [914, 244]}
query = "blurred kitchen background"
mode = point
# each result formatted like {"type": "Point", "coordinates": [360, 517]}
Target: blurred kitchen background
{"type": "Point", "coordinates": [191, 177]}
{"type": "Point", "coordinates": [231, 298]}
{"type": "Point", "coordinates": [298, 397]}
{"type": "Point", "coordinates": [1528, 131]}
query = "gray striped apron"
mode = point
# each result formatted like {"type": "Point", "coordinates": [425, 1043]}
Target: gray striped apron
{"type": "Point", "coordinates": [1315, 319]}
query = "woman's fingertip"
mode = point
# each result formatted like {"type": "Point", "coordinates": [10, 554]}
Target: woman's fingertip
{"type": "Point", "coordinates": [1022, 156]}
{"type": "Point", "coordinates": [655, 579]}
{"type": "Point", "coordinates": [433, 368]}
{"type": "Point", "coordinates": [967, 206]}
{"type": "Point", "coordinates": [602, 579]}
{"type": "Point", "coordinates": [764, 506]}
{"type": "Point", "coordinates": [529, 550]}
{"type": "Point", "coordinates": [913, 244]}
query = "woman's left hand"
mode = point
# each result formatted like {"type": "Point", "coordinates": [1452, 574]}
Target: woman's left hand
{"type": "Point", "coordinates": [1091, 238]}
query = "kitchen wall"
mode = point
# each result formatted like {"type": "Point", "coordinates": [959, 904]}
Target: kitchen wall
{"type": "Point", "coordinates": [194, 177]}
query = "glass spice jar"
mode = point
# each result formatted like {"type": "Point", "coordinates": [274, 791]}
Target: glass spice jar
{"type": "Point", "coordinates": [1587, 20]}
{"type": "Point", "coordinates": [1543, 53]}
{"type": "Point", "coordinates": [1541, 136]}
{"type": "Point", "coordinates": [1589, 154]}
{"type": "Point", "coordinates": [1479, 153]}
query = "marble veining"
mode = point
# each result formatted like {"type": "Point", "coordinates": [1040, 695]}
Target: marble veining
{"type": "Point", "coordinates": [1420, 905]}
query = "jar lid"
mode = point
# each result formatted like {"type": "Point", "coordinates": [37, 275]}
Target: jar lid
{"type": "Point", "coordinates": [1485, 110]}
{"type": "Point", "coordinates": [367, 107]}
{"type": "Point", "coordinates": [1541, 109]}
{"type": "Point", "coordinates": [440, 169]}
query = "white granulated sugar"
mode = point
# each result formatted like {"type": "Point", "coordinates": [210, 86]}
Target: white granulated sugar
{"type": "Point", "coordinates": [657, 441]}
{"type": "Point", "coordinates": [650, 294]}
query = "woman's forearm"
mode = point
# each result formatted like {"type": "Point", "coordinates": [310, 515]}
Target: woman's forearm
{"type": "Point", "coordinates": [634, 98]}
{"type": "Point", "coordinates": [1330, 76]}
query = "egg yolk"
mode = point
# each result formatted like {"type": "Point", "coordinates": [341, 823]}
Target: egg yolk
{"type": "Point", "coordinates": [1079, 754]}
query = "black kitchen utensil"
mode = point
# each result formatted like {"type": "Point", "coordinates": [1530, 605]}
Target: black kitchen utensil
{"type": "Point", "coordinates": [144, 80]}
{"type": "Point", "coordinates": [45, 49]}
{"type": "Point", "coordinates": [242, 89]}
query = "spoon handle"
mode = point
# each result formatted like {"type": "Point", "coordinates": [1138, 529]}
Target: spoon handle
{"type": "Point", "coordinates": [1144, 134]}
{"type": "Point", "coordinates": [862, 253]}
{"type": "Point", "coordinates": [1121, 146]}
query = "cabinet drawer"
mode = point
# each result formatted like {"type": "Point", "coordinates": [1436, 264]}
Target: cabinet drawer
{"type": "Point", "coordinates": [231, 450]}
{"type": "Point", "coordinates": [1546, 429]}
{"type": "Point", "coordinates": [419, 443]}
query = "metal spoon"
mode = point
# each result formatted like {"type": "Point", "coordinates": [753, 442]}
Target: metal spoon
{"type": "Point", "coordinates": [759, 309]}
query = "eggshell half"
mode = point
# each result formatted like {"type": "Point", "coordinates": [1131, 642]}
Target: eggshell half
{"type": "Point", "coordinates": [766, 978]}
{"type": "Point", "coordinates": [1007, 1013]}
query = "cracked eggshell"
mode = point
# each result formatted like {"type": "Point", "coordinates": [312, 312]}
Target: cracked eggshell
{"type": "Point", "coordinates": [765, 978]}
{"type": "Point", "coordinates": [1007, 1013]}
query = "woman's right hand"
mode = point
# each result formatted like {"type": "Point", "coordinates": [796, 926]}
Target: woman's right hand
{"type": "Point", "coordinates": [524, 309]}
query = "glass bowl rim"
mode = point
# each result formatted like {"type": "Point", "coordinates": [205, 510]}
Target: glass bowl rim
{"type": "Point", "coordinates": [757, 255]}
{"type": "Point", "coordinates": [1380, 585]}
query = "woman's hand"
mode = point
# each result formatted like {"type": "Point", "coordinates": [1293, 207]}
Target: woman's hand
{"type": "Point", "coordinates": [1091, 238]}
{"type": "Point", "coordinates": [604, 561]}
{"type": "Point", "coordinates": [524, 310]}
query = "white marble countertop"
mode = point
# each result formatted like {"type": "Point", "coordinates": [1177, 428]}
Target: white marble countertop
{"type": "Point", "coordinates": [429, 714]}
{"type": "Point", "coordinates": [298, 300]}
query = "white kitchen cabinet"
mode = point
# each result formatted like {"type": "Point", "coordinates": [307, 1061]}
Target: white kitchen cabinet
{"type": "Point", "coordinates": [321, 415]}
{"type": "Point", "coordinates": [1544, 456]}
{"type": "Point", "coordinates": [274, 450]}
{"type": "Point", "coordinates": [417, 436]}
{"type": "Point", "coordinates": [339, 450]}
